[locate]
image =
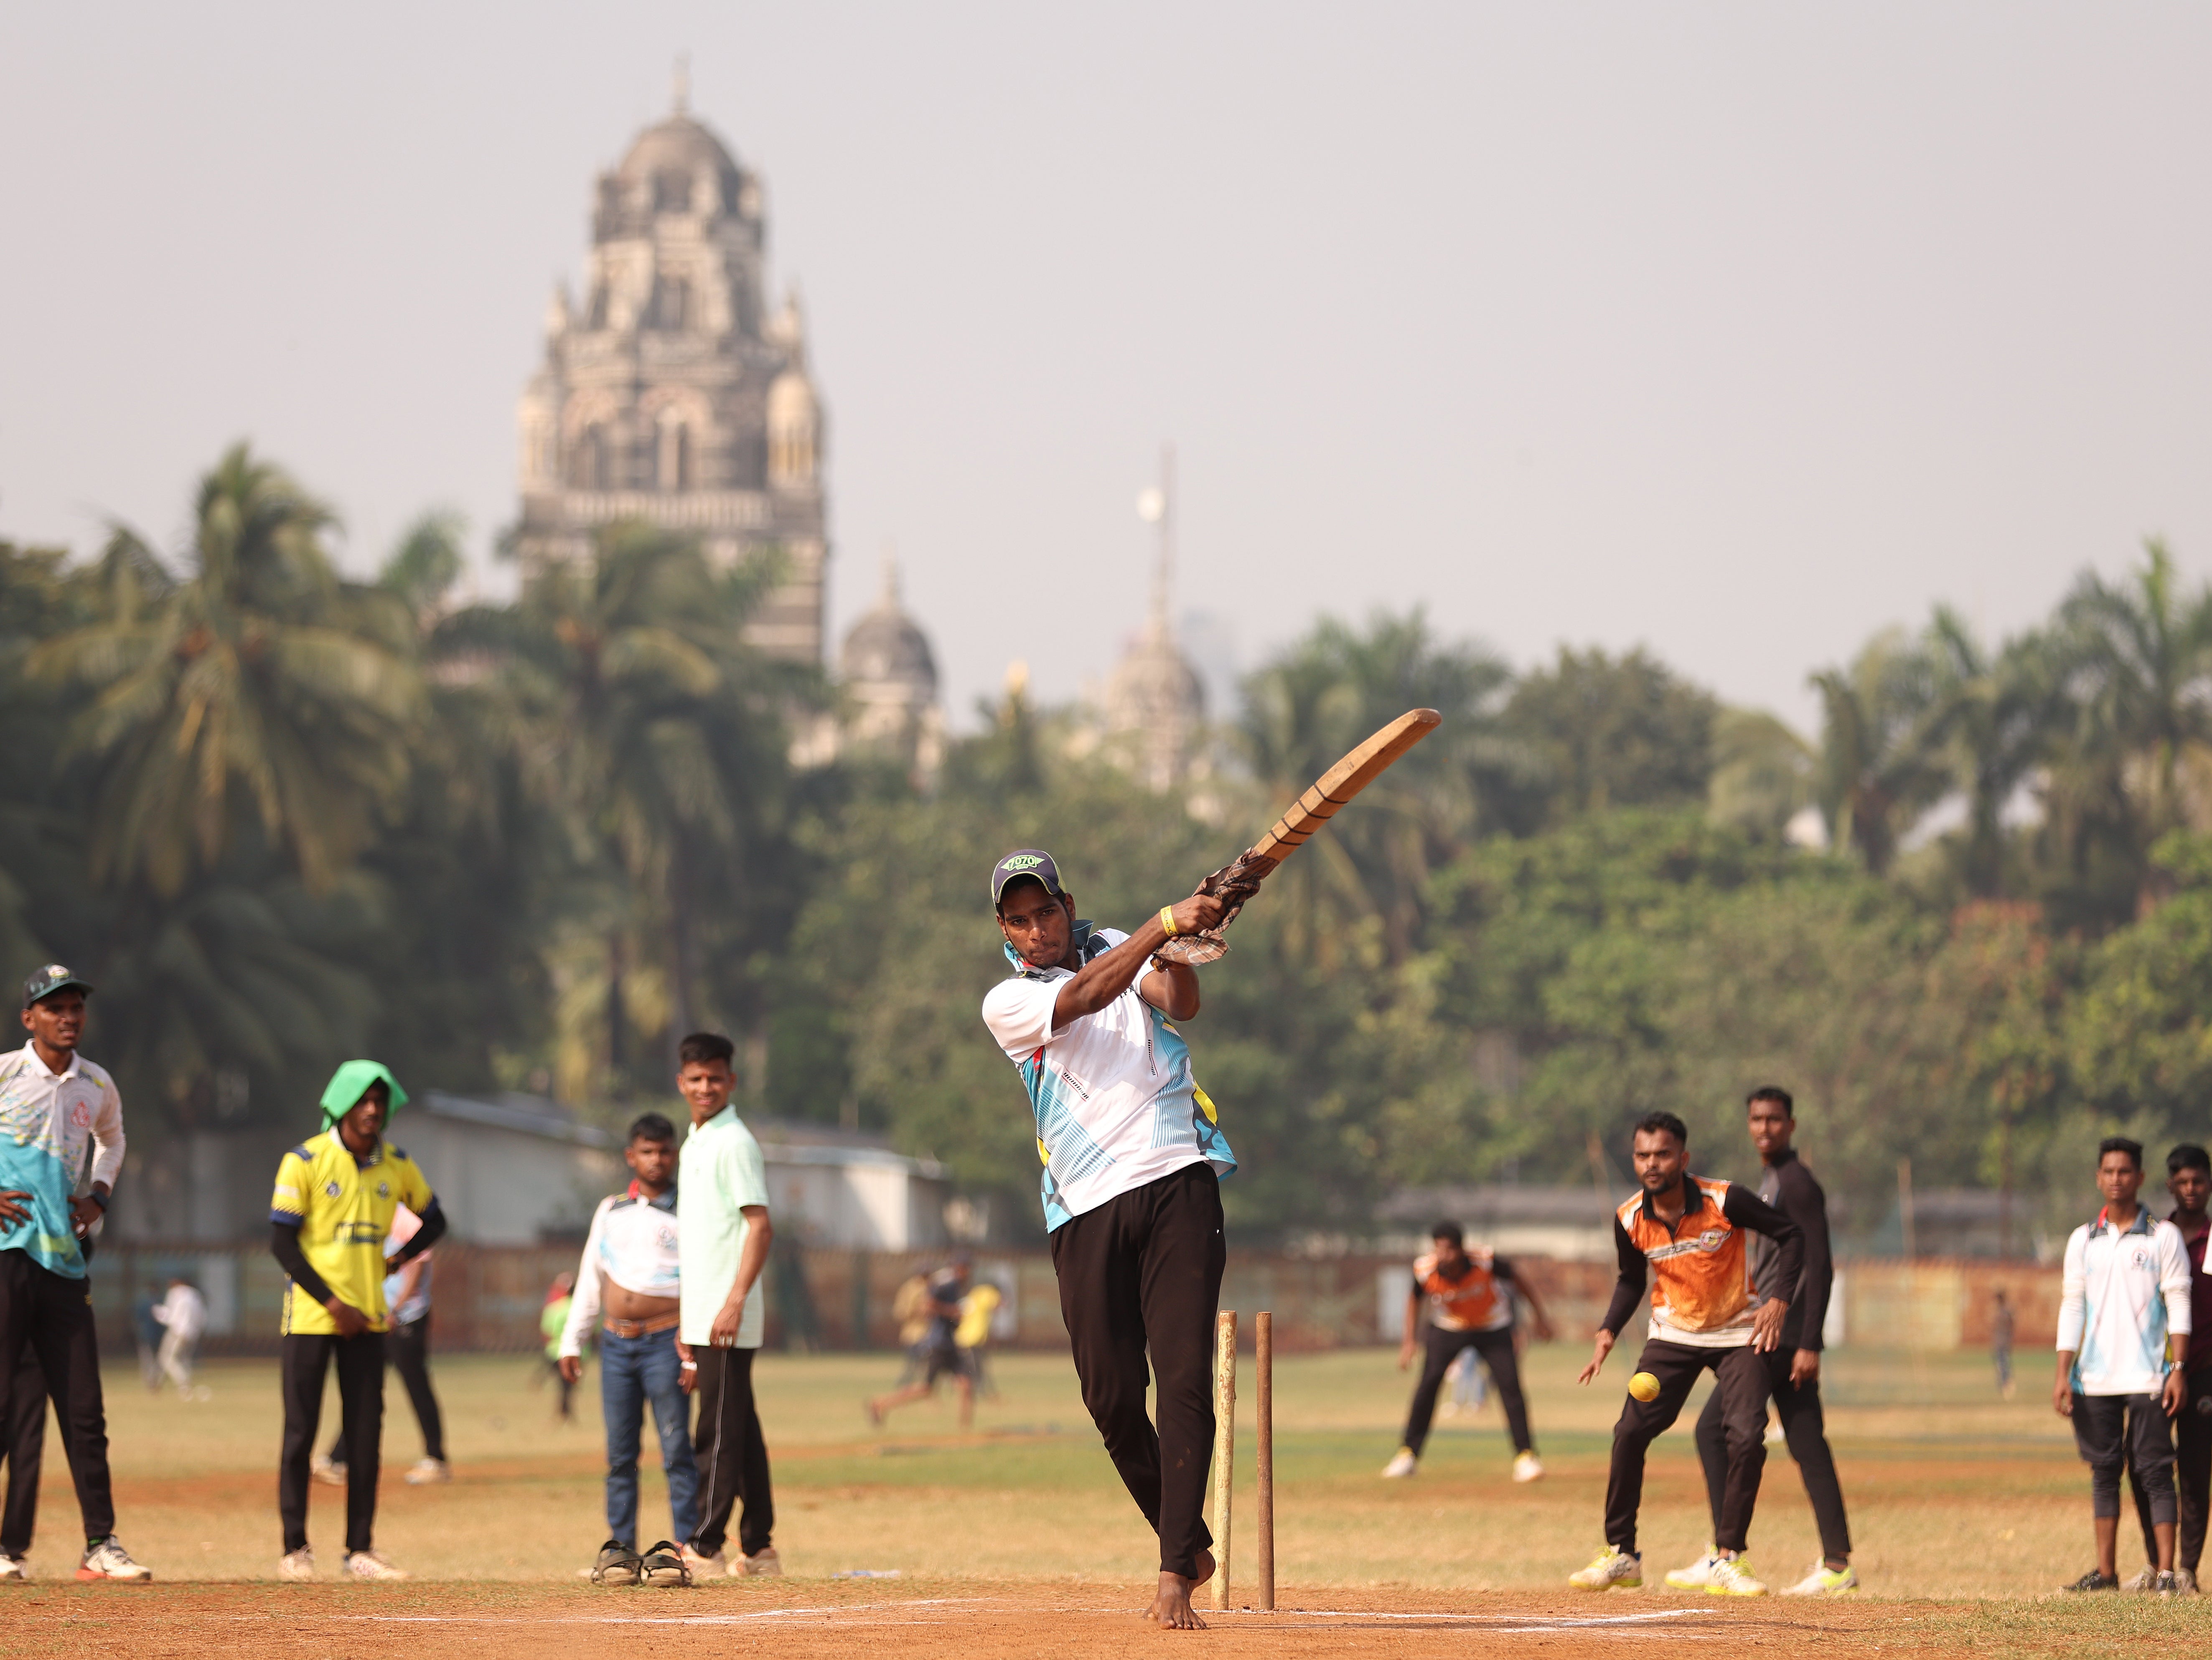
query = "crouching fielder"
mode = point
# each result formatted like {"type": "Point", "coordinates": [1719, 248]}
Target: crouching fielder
{"type": "Point", "coordinates": [1131, 1158]}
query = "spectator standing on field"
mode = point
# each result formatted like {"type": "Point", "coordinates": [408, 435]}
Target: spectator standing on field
{"type": "Point", "coordinates": [2124, 1323]}
{"type": "Point", "coordinates": [61, 1127]}
{"type": "Point", "coordinates": [330, 1212]}
{"type": "Point", "coordinates": [2001, 1329]}
{"type": "Point", "coordinates": [407, 1351]}
{"type": "Point", "coordinates": [182, 1315]}
{"type": "Point", "coordinates": [723, 1233]}
{"type": "Point", "coordinates": [2188, 1179]}
{"type": "Point", "coordinates": [627, 1286]}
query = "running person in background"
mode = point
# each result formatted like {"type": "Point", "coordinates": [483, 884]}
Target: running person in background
{"type": "Point", "coordinates": [2188, 1179]}
{"type": "Point", "coordinates": [61, 1121]}
{"type": "Point", "coordinates": [723, 1234]}
{"type": "Point", "coordinates": [552, 1320]}
{"type": "Point", "coordinates": [1684, 1236]}
{"type": "Point", "coordinates": [329, 1214]}
{"type": "Point", "coordinates": [1793, 1367]}
{"type": "Point", "coordinates": [2124, 1308]}
{"type": "Point", "coordinates": [939, 1349]}
{"type": "Point", "coordinates": [182, 1315]}
{"type": "Point", "coordinates": [1469, 1296]}
{"type": "Point", "coordinates": [407, 1351]}
{"type": "Point", "coordinates": [1132, 1161]}
{"type": "Point", "coordinates": [628, 1282]}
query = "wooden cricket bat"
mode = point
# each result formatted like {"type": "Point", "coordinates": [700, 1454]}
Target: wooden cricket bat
{"type": "Point", "coordinates": [1331, 791]}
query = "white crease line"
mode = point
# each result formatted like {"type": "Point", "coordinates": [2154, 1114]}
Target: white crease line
{"type": "Point", "coordinates": [1284, 1616]}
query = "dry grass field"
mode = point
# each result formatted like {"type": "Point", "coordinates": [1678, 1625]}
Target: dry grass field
{"type": "Point", "coordinates": [1016, 1538]}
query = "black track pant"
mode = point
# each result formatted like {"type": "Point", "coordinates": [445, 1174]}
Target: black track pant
{"type": "Point", "coordinates": [2192, 1474]}
{"type": "Point", "coordinates": [1495, 1348]}
{"type": "Point", "coordinates": [26, 1454]}
{"type": "Point", "coordinates": [1741, 1377]}
{"type": "Point", "coordinates": [407, 1351]}
{"type": "Point", "coordinates": [731, 1454]}
{"type": "Point", "coordinates": [1143, 1273]}
{"type": "Point", "coordinates": [51, 1316]}
{"type": "Point", "coordinates": [1805, 1430]}
{"type": "Point", "coordinates": [360, 1413]}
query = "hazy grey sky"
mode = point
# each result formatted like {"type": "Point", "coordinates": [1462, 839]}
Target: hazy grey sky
{"type": "Point", "coordinates": [1739, 332]}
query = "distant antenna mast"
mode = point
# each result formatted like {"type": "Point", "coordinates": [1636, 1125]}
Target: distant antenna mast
{"type": "Point", "coordinates": [681, 83]}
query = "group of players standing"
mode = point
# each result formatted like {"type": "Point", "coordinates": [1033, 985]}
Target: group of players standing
{"type": "Point", "coordinates": [1740, 1285]}
{"type": "Point", "coordinates": [677, 1298]}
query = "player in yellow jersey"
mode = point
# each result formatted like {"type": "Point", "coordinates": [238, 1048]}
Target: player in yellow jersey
{"type": "Point", "coordinates": [332, 1208]}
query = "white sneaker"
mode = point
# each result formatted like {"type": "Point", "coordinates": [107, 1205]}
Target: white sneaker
{"type": "Point", "coordinates": [330, 1474]}
{"type": "Point", "coordinates": [108, 1560]}
{"type": "Point", "coordinates": [765, 1564]}
{"type": "Point", "coordinates": [297, 1564]}
{"type": "Point", "coordinates": [1698, 1575]}
{"type": "Point", "coordinates": [1732, 1577]}
{"type": "Point", "coordinates": [429, 1472]}
{"type": "Point", "coordinates": [1608, 1568]}
{"type": "Point", "coordinates": [2184, 1581]}
{"type": "Point", "coordinates": [2142, 1581]}
{"type": "Point", "coordinates": [1825, 1581]}
{"type": "Point", "coordinates": [1402, 1464]}
{"type": "Point", "coordinates": [703, 1567]}
{"type": "Point", "coordinates": [1527, 1467]}
{"type": "Point", "coordinates": [13, 1567]}
{"type": "Point", "coordinates": [367, 1564]}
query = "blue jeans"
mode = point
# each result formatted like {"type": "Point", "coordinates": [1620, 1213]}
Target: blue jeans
{"type": "Point", "coordinates": [632, 1372]}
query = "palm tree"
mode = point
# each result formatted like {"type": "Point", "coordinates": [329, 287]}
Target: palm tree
{"type": "Point", "coordinates": [1990, 718]}
{"type": "Point", "coordinates": [1317, 699]}
{"type": "Point", "coordinates": [656, 735]}
{"type": "Point", "coordinates": [1876, 772]}
{"type": "Point", "coordinates": [2133, 660]}
{"type": "Point", "coordinates": [259, 684]}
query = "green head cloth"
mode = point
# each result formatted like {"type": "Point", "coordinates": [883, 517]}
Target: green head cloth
{"type": "Point", "coordinates": [351, 1081]}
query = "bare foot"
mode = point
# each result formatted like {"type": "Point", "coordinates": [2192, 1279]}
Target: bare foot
{"type": "Point", "coordinates": [1171, 1604]}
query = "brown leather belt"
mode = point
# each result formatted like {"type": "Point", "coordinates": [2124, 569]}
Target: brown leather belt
{"type": "Point", "coordinates": [640, 1327]}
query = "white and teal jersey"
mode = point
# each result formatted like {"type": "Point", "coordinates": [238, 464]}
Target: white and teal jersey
{"type": "Point", "coordinates": [58, 1131]}
{"type": "Point", "coordinates": [2124, 1294]}
{"type": "Point", "coordinates": [1115, 1101]}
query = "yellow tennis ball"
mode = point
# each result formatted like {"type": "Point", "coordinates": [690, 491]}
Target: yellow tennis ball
{"type": "Point", "coordinates": [1643, 1386]}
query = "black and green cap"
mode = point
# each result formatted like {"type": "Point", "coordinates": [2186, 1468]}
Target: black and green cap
{"type": "Point", "coordinates": [45, 981]}
{"type": "Point", "coordinates": [1028, 862]}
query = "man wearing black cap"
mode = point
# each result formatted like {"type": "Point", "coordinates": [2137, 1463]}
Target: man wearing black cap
{"type": "Point", "coordinates": [61, 1121]}
{"type": "Point", "coordinates": [1131, 1155]}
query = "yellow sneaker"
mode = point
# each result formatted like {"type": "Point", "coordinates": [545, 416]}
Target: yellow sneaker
{"type": "Point", "coordinates": [1732, 1577]}
{"type": "Point", "coordinates": [1608, 1569]}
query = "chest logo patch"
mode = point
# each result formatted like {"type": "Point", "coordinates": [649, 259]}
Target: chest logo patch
{"type": "Point", "coordinates": [384, 1189]}
{"type": "Point", "coordinates": [332, 1188]}
{"type": "Point", "coordinates": [80, 1115]}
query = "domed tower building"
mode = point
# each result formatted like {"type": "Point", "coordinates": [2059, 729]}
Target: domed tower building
{"type": "Point", "coordinates": [889, 680]}
{"type": "Point", "coordinates": [670, 394]}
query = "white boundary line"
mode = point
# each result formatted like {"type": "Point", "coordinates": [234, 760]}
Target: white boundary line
{"type": "Point", "coordinates": [1505, 1624]}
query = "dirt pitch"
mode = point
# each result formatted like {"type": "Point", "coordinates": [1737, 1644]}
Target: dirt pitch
{"type": "Point", "coordinates": [978, 1619]}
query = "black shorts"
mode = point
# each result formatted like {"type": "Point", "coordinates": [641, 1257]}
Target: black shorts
{"type": "Point", "coordinates": [951, 1362]}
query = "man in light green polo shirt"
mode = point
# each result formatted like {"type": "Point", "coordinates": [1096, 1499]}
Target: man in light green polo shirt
{"type": "Point", "coordinates": [722, 1236]}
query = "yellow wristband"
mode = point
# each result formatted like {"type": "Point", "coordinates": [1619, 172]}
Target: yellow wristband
{"type": "Point", "coordinates": [1167, 920]}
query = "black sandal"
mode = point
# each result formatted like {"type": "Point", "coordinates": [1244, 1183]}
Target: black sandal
{"type": "Point", "coordinates": [618, 1565]}
{"type": "Point", "coordinates": [663, 1565]}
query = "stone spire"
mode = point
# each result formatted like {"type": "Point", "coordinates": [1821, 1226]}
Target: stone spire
{"type": "Point", "coordinates": [1155, 701]}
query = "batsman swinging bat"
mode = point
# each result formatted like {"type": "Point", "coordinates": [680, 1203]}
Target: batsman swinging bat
{"type": "Point", "coordinates": [1240, 880]}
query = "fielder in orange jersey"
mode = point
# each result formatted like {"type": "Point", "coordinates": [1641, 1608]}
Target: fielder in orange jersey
{"type": "Point", "coordinates": [1469, 1298]}
{"type": "Point", "coordinates": [1683, 1235]}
